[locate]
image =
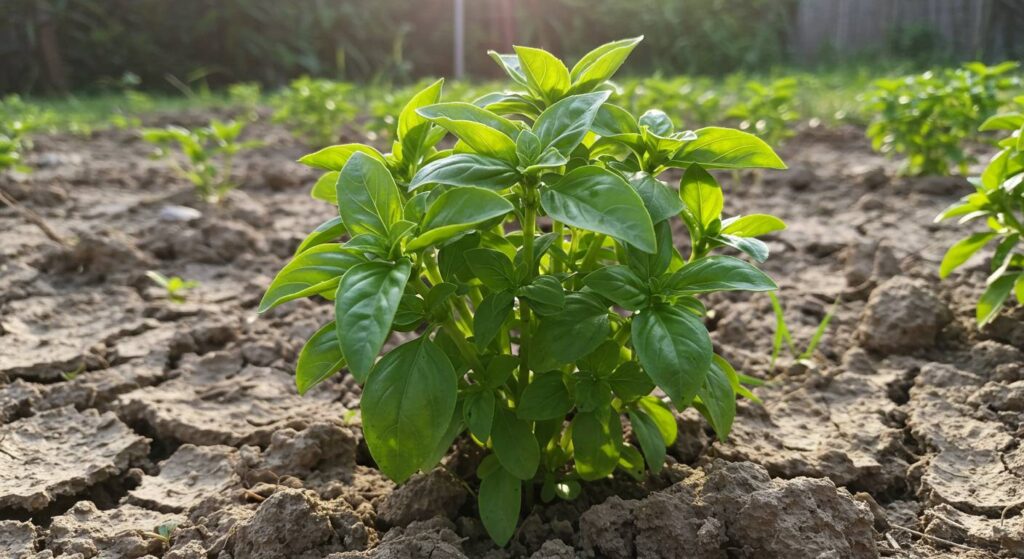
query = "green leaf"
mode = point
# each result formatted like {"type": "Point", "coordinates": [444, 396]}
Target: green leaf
{"type": "Point", "coordinates": [753, 225]}
{"type": "Point", "coordinates": [545, 74]}
{"type": "Point", "coordinates": [592, 393]}
{"type": "Point", "coordinates": [657, 122]}
{"type": "Point", "coordinates": [962, 251]}
{"type": "Point", "coordinates": [410, 118]}
{"type": "Point", "coordinates": [509, 63]}
{"type": "Point", "coordinates": [649, 438]}
{"type": "Point", "coordinates": [600, 64]}
{"type": "Point", "coordinates": [577, 330]}
{"type": "Point", "coordinates": [727, 148]}
{"type": "Point", "coordinates": [630, 382]}
{"type": "Point", "coordinates": [546, 397]}
{"type": "Point", "coordinates": [564, 124]}
{"type": "Point", "coordinates": [490, 315]}
{"type": "Point", "coordinates": [313, 271]}
{"type": "Point", "coordinates": [596, 439]}
{"type": "Point", "coordinates": [326, 188]}
{"type": "Point", "coordinates": [514, 444]}
{"type": "Point", "coordinates": [455, 427]}
{"type": "Point", "coordinates": [702, 195]}
{"type": "Point", "coordinates": [458, 210]}
{"type": "Point", "coordinates": [407, 405]}
{"type": "Point", "coordinates": [319, 358]}
{"type": "Point", "coordinates": [993, 298]}
{"type": "Point", "coordinates": [613, 121]}
{"type": "Point", "coordinates": [479, 413]}
{"type": "Point", "coordinates": [484, 132]}
{"type": "Point", "coordinates": [662, 417]}
{"type": "Point", "coordinates": [367, 300]}
{"type": "Point", "coordinates": [620, 285]}
{"type": "Point", "coordinates": [467, 169]}
{"type": "Point", "coordinates": [719, 399]}
{"type": "Point", "coordinates": [326, 232]}
{"type": "Point", "coordinates": [368, 198]}
{"type": "Point", "coordinates": [660, 200]}
{"type": "Point", "coordinates": [598, 200]}
{"type": "Point", "coordinates": [631, 462]}
{"type": "Point", "coordinates": [653, 265]}
{"type": "Point", "coordinates": [603, 360]}
{"type": "Point", "coordinates": [545, 294]}
{"type": "Point", "coordinates": [498, 370]}
{"type": "Point", "coordinates": [675, 349]}
{"type": "Point", "coordinates": [754, 248]}
{"type": "Point", "coordinates": [528, 148]}
{"type": "Point", "coordinates": [334, 158]}
{"type": "Point", "coordinates": [499, 501]}
{"type": "Point", "coordinates": [719, 273]}
{"type": "Point", "coordinates": [1008, 121]}
{"type": "Point", "coordinates": [492, 268]}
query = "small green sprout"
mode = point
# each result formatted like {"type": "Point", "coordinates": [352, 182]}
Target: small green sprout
{"type": "Point", "coordinates": [174, 285]}
{"type": "Point", "coordinates": [783, 335]}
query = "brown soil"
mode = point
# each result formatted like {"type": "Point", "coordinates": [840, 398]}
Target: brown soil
{"type": "Point", "coordinates": [133, 426]}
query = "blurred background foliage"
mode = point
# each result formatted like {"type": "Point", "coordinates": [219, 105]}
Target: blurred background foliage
{"type": "Point", "coordinates": [65, 45]}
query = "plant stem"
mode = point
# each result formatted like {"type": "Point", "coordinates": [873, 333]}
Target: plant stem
{"type": "Point", "coordinates": [592, 253]}
{"type": "Point", "coordinates": [556, 256]}
{"type": "Point", "coordinates": [529, 226]}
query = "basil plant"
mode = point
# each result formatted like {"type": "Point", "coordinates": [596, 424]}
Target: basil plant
{"type": "Point", "coordinates": [999, 199]}
{"type": "Point", "coordinates": [531, 262]}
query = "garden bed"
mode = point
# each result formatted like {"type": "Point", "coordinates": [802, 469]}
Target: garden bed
{"type": "Point", "coordinates": [899, 437]}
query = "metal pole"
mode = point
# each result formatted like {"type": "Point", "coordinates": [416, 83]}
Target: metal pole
{"type": "Point", "coordinates": [460, 39]}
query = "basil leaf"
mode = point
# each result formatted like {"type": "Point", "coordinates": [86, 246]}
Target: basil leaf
{"type": "Point", "coordinates": [410, 117]}
{"type": "Point", "coordinates": [596, 438]}
{"type": "Point", "coordinates": [326, 232]}
{"type": "Point", "coordinates": [754, 248]}
{"type": "Point", "coordinates": [313, 271]}
{"type": "Point", "coordinates": [546, 397]}
{"type": "Point", "coordinates": [675, 349]}
{"type": "Point", "coordinates": [514, 444]}
{"type": "Point", "coordinates": [334, 158]}
{"type": "Point", "coordinates": [653, 265]}
{"type": "Point", "coordinates": [467, 112]}
{"type": "Point", "coordinates": [458, 210]}
{"type": "Point", "coordinates": [994, 297]}
{"type": "Point", "coordinates": [545, 74]}
{"type": "Point", "coordinates": [368, 198]}
{"type": "Point", "coordinates": [649, 438]}
{"type": "Point", "coordinates": [499, 502]}
{"type": "Point", "coordinates": [365, 306]}
{"type": "Point", "coordinates": [467, 169]}
{"type": "Point", "coordinates": [492, 267]}
{"type": "Point", "coordinates": [702, 195]}
{"type": "Point", "coordinates": [577, 330]}
{"type": "Point", "coordinates": [719, 273]}
{"type": "Point", "coordinates": [660, 200]}
{"type": "Point", "coordinates": [962, 251]}
{"type": "Point", "coordinates": [484, 132]}
{"type": "Point", "coordinates": [662, 417]}
{"type": "Point", "coordinates": [726, 148]}
{"type": "Point", "coordinates": [630, 382]}
{"type": "Point", "coordinates": [319, 358]}
{"type": "Point", "coordinates": [620, 285]}
{"type": "Point", "coordinates": [478, 411]}
{"type": "Point", "coordinates": [753, 225]}
{"type": "Point", "coordinates": [326, 188]}
{"type": "Point", "coordinates": [407, 405]}
{"type": "Point", "coordinates": [718, 399]}
{"type": "Point", "coordinates": [545, 294]}
{"type": "Point", "coordinates": [564, 124]}
{"type": "Point", "coordinates": [489, 317]}
{"type": "Point", "coordinates": [598, 200]}
{"type": "Point", "coordinates": [600, 64]}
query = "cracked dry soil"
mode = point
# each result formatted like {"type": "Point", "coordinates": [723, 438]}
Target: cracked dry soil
{"type": "Point", "coordinates": [131, 426]}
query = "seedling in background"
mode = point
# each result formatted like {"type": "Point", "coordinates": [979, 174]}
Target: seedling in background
{"type": "Point", "coordinates": [209, 154]}
{"type": "Point", "coordinates": [784, 337]}
{"type": "Point", "coordinates": [176, 287]}
{"type": "Point", "coordinates": [999, 199]}
{"type": "Point", "coordinates": [537, 343]}
{"type": "Point", "coordinates": [928, 117]}
{"type": "Point", "coordinates": [314, 109]}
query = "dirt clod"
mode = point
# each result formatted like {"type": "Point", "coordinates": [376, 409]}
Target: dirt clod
{"type": "Point", "coordinates": [902, 315]}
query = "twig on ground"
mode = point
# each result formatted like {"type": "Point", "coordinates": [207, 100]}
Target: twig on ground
{"type": "Point", "coordinates": [33, 218]}
{"type": "Point", "coordinates": [935, 538]}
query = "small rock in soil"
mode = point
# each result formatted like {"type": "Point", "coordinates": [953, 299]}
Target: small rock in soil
{"type": "Point", "coordinates": [16, 398]}
{"type": "Point", "coordinates": [127, 532]}
{"type": "Point", "coordinates": [189, 475]}
{"type": "Point", "coordinates": [948, 523]}
{"type": "Point", "coordinates": [902, 315]}
{"type": "Point", "coordinates": [62, 452]}
{"type": "Point", "coordinates": [286, 525]}
{"type": "Point", "coordinates": [434, 538]}
{"type": "Point", "coordinates": [17, 539]}
{"type": "Point", "coordinates": [423, 497]}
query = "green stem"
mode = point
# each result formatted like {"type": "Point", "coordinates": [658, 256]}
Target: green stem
{"type": "Point", "coordinates": [529, 226]}
{"type": "Point", "coordinates": [557, 259]}
{"type": "Point", "coordinates": [592, 253]}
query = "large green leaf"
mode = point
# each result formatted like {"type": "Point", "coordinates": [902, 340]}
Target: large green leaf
{"type": "Point", "coordinates": [701, 194]}
{"type": "Point", "coordinates": [485, 132]}
{"type": "Point", "coordinates": [467, 169]}
{"type": "Point", "coordinates": [719, 273]}
{"type": "Point", "coordinates": [994, 297]}
{"type": "Point", "coordinates": [620, 285]}
{"type": "Point", "coordinates": [962, 251]}
{"type": "Point", "coordinates": [598, 200]}
{"type": "Point", "coordinates": [367, 300]}
{"type": "Point", "coordinates": [499, 502]}
{"type": "Point", "coordinates": [564, 124]}
{"type": "Point", "coordinates": [753, 225]}
{"type": "Point", "coordinates": [326, 232]}
{"type": "Point", "coordinates": [596, 438]}
{"type": "Point", "coordinates": [545, 74]}
{"type": "Point", "coordinates": [313, 271]}
{"type": "Point", "coordinates": [630, 382]}
{"type": "Point", "coordinates": [600, 64]}
{"type": "Point", "coordinates": [718, 398]}
{"type": "Point", "coordinates": [647, 434]}
{"type": "Point", "coordinates": [514, 444]}
{"type": "Point", "coordinates": [458, 210]}
{"type": "Point", "coordinates": [479, 413]}
{"type": "Point", "coordinates": [319, 358]}
{"type": "Point", "coordinates": [546, 397]}
{"type": "Point", "coordinates": [675, 349]}
{"type": "Point", "coordinates": [490, 315]}
{"type": "Point", "coordinates": [577, 330]}
{"type": "Point", "coordinates": [410, 118]}
{"type": "Point", "coordinates": [326, 188]}
{"type": "Point", "coordinates": [491, 267]}
{"type": "Point", "coordinates": [368, 198]}
{"type": "Point", "coordinates": [459, 111]}
{"type": "Point", "coordinates": [334, 158]}
{"type": "Point", "coordinates": [407, 405]}
{"type": "Point", "coordinates": [727, 148]}
{"type": "Point", "coordinates": [545, 294]}
{"type": "Point", "coordinates": [660, 200]}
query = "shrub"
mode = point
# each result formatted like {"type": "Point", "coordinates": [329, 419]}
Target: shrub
{"type": "Point", "coordinates": [534, 267]}
{"type": "Point", "coordinates": [209, 154]}
{"type": "Point", "coordinates": [927, 117]}
{"type": "Point", "coordinates": [766, 109]}
{"type": "Point", "coordinates": [999, 200]}
{"type": "Point", "coordinates": [315, 109]}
